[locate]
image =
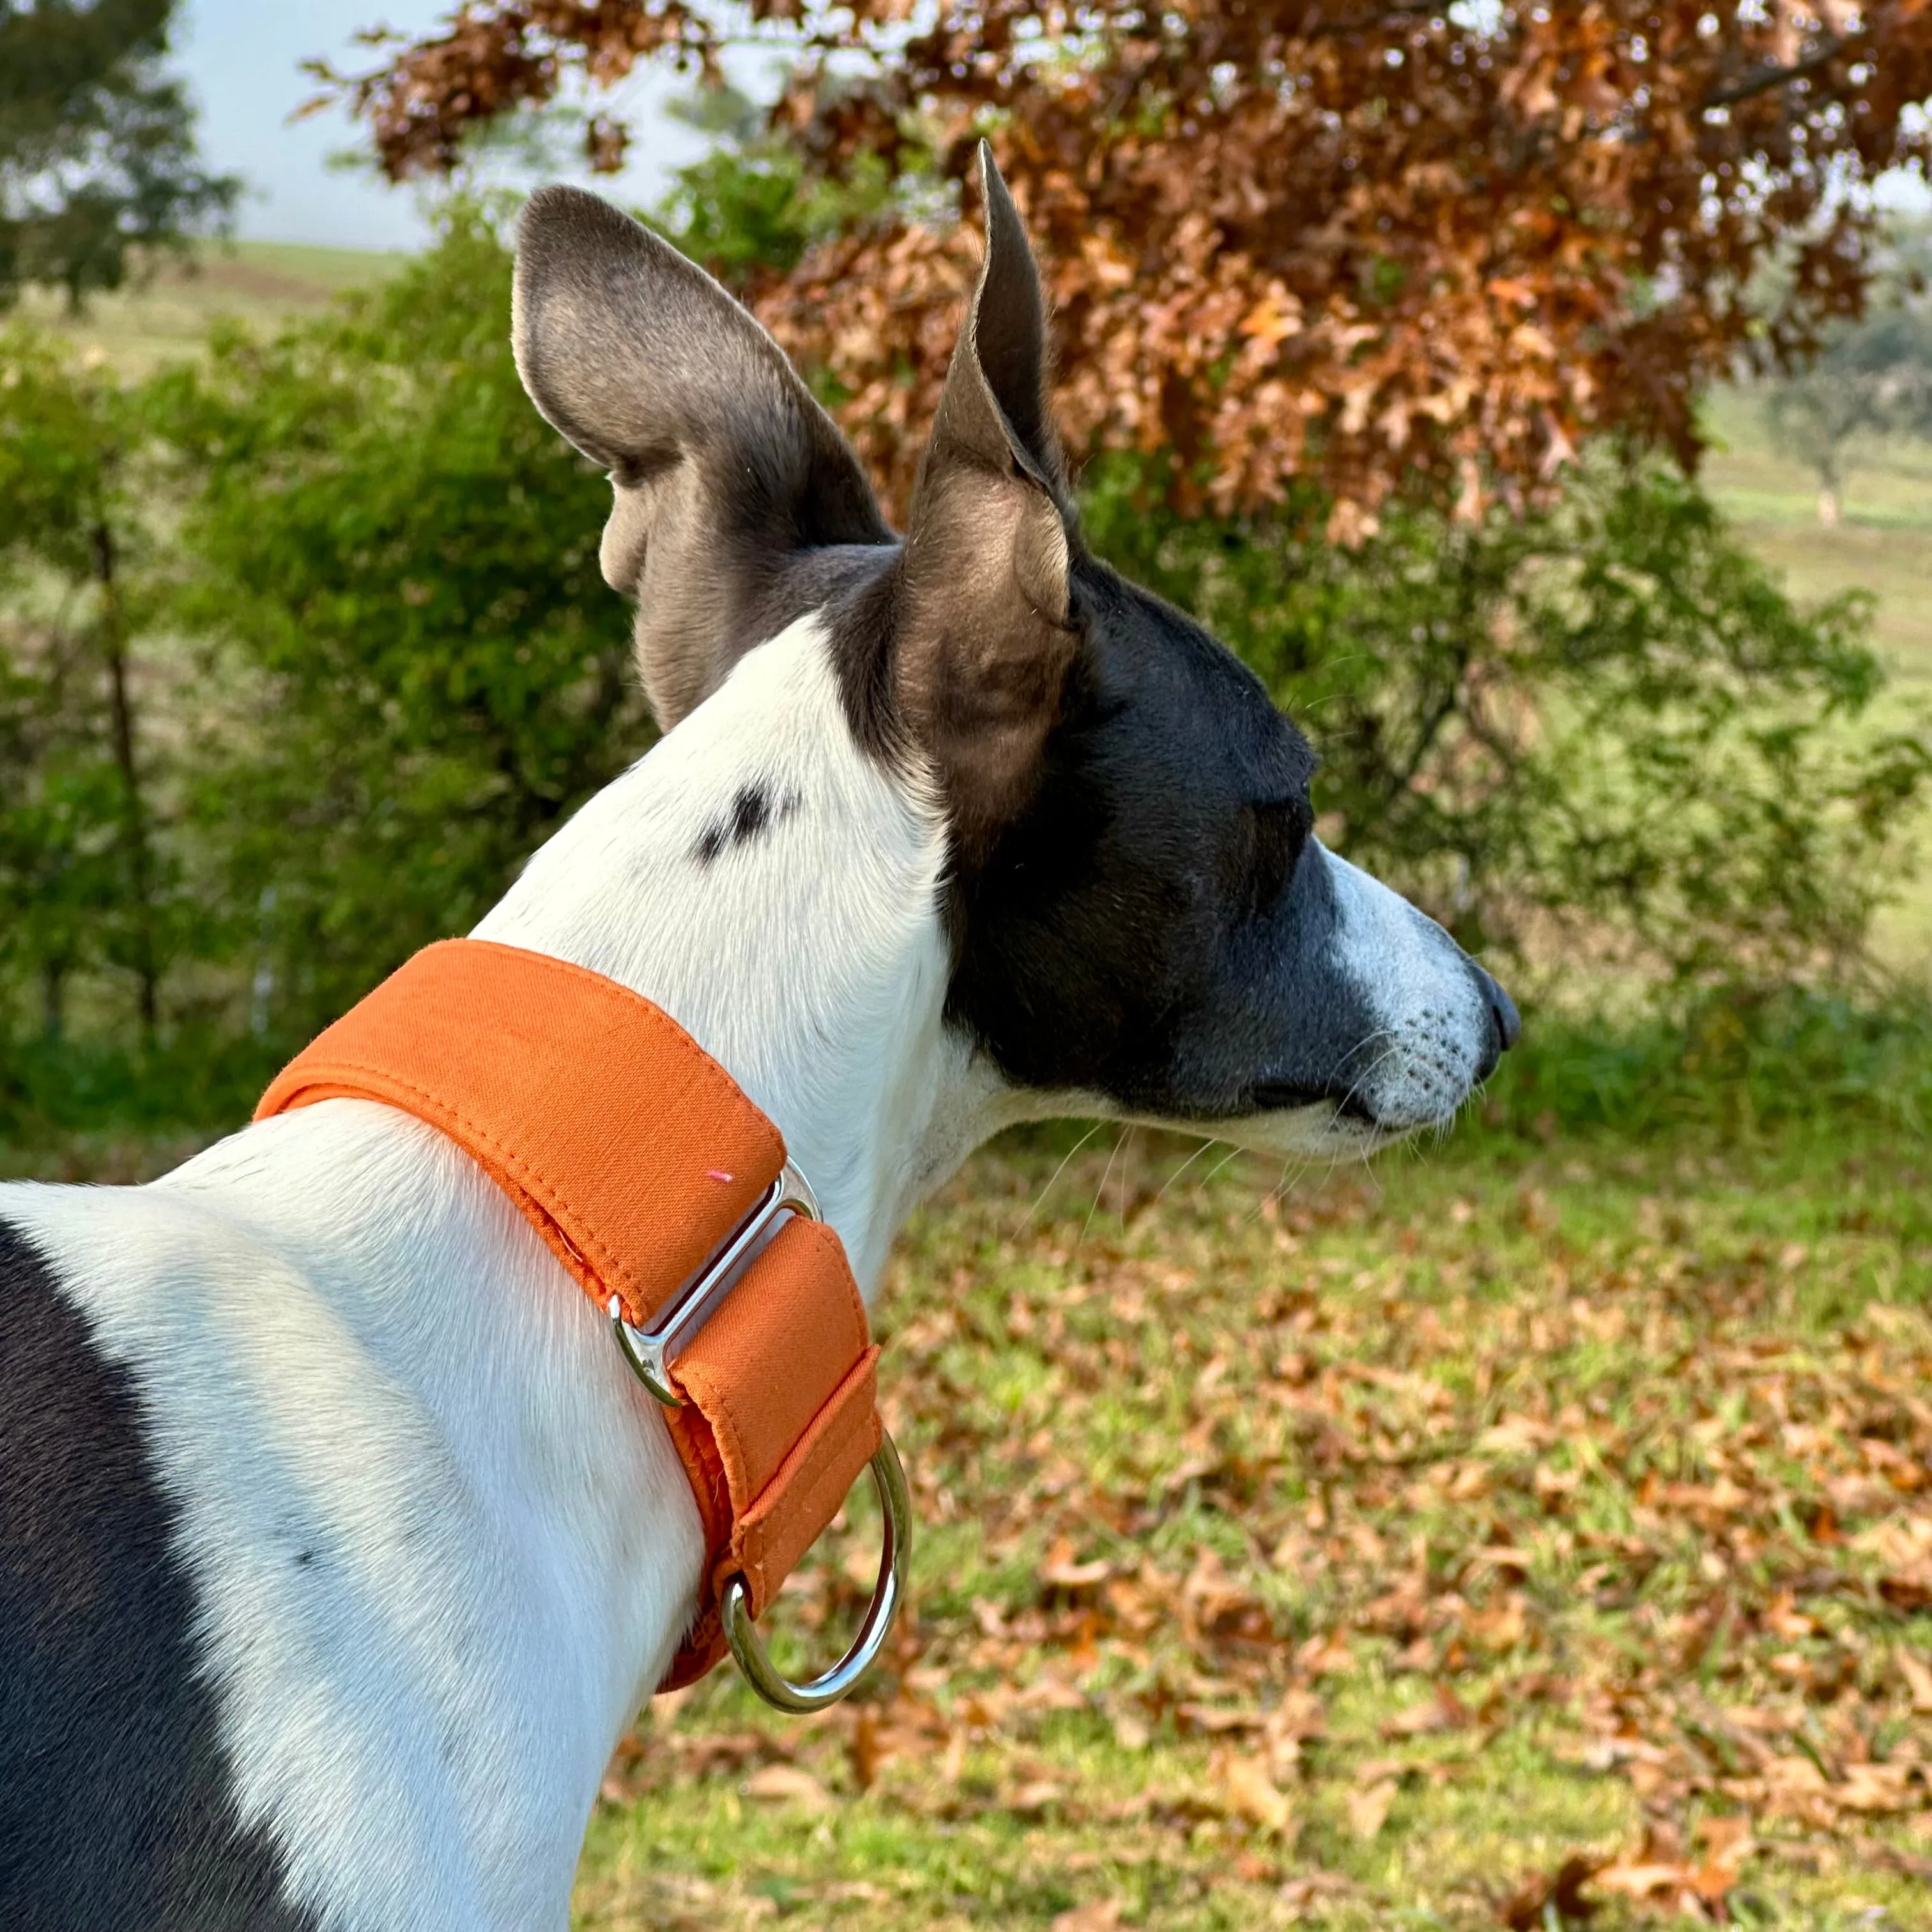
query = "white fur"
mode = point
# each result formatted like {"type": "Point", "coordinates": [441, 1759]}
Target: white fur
{"type": "Point", "coordinates": [349, 1344]}
{"type": "Point", "coordinates": [1418, 1066]}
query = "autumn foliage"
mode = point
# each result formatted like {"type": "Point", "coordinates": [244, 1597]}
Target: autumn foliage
{"type": "Point", "coordinates": [1400, 250]}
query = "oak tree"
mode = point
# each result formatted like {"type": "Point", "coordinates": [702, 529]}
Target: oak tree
{"type": "Point", "coordinates": [1415, 249]}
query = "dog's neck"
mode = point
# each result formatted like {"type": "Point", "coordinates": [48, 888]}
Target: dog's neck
{"type": "Point", "coordinates": [775, 890]}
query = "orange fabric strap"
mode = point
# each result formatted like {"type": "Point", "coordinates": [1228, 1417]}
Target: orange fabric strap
{"type": "Point", "coordinates": [634, 1154]}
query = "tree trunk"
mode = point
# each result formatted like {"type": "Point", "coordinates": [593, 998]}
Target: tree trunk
{"type": "Point", "coordinates": [133, 806]}
{"type": "Point", "coordinates": [1829, 505]}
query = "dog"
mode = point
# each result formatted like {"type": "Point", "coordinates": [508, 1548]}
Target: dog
{"type": "Point", "coordinates": [337, 1546]}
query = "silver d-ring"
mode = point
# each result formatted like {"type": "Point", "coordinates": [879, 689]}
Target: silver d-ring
{"type": "Point", "coordinates": [741, 1632]}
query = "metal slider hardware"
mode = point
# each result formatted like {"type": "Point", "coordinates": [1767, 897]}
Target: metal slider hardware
{"type": "Point", "coordinates": [651, 1351]}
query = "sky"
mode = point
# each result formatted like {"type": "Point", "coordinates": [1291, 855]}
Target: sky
{"type": "Point", "coordinates": [242, 60]}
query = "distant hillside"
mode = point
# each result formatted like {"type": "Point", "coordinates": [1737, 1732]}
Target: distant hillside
{"type": "Point", "coordinates": [1884, 545]}
{"type": "Point", "coordinates": [260, 282]}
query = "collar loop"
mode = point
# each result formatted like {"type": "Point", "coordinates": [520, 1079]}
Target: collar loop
{"type": "Point", "coordinates": [663, 1192]}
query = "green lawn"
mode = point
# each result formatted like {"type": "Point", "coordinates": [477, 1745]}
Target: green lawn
{"type": "Point", "coordinates": [1883, 545]}
{"type": "Point", "coordinates": [1358, 1558]}
{"type": "Point", "coordinates": [165, 318]}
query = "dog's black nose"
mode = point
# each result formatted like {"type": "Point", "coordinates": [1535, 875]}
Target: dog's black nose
{"type": "Point", "coordinates": [1505, 1023]}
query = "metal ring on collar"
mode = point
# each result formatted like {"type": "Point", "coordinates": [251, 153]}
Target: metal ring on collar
{"type": "Point", "coordinates": [741, 1632]}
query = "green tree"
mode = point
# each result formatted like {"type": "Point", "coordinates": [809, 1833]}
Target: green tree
{"type": "Point", "coordinates": [1873, 380]}
{"type": "Point", "coordinates": [82, 882]}
{"type": "Point", "coordinates": [415, 669]}
{"type": "Point", "coordinates": [96, 144]}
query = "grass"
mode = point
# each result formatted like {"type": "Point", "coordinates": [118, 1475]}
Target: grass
{"type": "Point", "coordinates": [1357, 1558]}
{"type": "Point", "coordinates": [165, 317]}
{"type": "Point", "coordinates": [1882, 545]}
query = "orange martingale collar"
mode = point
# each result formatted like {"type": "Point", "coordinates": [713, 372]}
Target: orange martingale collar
{"type": "Point", "coordinates": [636, 1157]}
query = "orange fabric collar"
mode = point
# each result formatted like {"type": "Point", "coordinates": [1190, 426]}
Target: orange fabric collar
{"type": "Point", "coordinates": [634, 1155]}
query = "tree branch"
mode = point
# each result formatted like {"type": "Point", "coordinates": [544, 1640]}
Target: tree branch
{"type": "Point", "coordinates": [1366, 23]}
{"type": "Point", "coordinates": [1768, 78]}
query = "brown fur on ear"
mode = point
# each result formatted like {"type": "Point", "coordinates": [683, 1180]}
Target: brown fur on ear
{"type": "Point", "coordinates": [986, 638]}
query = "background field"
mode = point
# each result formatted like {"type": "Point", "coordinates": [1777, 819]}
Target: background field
{"type": "Point", "coordinates": [165, 317]}
{"type": "Point", "coordinates": [1882, 545]}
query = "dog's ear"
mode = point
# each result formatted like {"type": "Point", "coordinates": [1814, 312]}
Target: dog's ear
{"type": "Point", "coordinates": [986, 637]}
{"type": "Point", "coordinates": [725, 467]}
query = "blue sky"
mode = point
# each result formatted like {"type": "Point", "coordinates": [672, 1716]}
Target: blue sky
{"type": "Point", "coordinates": [242, 60]}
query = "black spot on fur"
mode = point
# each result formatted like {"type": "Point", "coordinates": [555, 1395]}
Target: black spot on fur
{"type": "Point", "coordinates": [751, 812]}
{"type": "Point", "coordinates": [117, 1806]}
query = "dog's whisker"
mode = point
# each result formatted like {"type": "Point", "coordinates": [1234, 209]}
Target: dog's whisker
{"type": "Point", "coordinates": [1182, 1169]}
{"type": "Point", "coordinates": [1099, 1193]}
{"type": "Point", "coordinates": [1034, 1209]}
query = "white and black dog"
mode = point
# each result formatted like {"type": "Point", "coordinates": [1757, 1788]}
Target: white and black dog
{"type": "Point", "coordinates": [338, 1545]}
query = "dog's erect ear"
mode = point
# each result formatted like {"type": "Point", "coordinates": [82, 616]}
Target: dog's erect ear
{"type": "Point", "coordinates": [725, 467]}
{"type": "Point", "coordinates": [986, 639]}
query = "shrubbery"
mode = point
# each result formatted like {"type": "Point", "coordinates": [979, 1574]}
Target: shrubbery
{"type": "Point", "coordinates": [1600, 732]}
{"type": "Point", "coordinates": [411, 670]}
{"type": "Point", "coordinates": [366, 663]}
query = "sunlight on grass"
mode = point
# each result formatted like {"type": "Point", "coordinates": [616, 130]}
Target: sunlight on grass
{"type": "Point", "coordinates": [164, 318]}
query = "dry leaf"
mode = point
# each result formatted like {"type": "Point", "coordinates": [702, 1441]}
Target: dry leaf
{"type": "Point", "coordinates": [1918, 1675]}
{"type": "Point", "coordinates": [1368, 1808]}
{"type": "Point", "coordinates": [1442, 1711]}
{"type": "Point", "coordinates": [1875, 1788]}
{"type": "Point", "coordinates": [1251, 1794]}
{"type": "Point", "coordinates": [864, 1750]}
{"type": "Point", "coordinates": [1528, 1908]}
{"type": "Point", "coordinates": [1061, 1571]}
{"type": "Point", "coordinates": [1097, 1915]}
{"type": "Point", "coordinates": [787, 1784]}
{"type": "Point", "coordinates": [1036, 1795]}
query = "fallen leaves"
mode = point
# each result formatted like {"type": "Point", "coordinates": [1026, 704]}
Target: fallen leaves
{"type": "Point", "coordinates": [1239, 1615]}
{"type": "Point", "coordinates": [1556, 1896]}
{"type": "Point", "coordinates": [787, 1784]}
{"type": "Point", "coordinates": [1099, 1915]}
{"type": "Point", "coordinates": [1657, 1876]}
{"type": "Point", "coordinates": [1369, 1807]}
{"type": "Point", "coordinates": [1918, 1675]}
{"type": "Point", "coordinates": [1252, 1794]}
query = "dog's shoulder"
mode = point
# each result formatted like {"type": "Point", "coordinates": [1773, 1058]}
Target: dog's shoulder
{"type": "Point", "coordinates": [117, 1804]}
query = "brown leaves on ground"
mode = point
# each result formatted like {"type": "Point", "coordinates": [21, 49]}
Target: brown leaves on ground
{"type": "Point", "coordinates": [1657, 1876]}
{"type": "Point", "coordinates": [1302, 1515]}
{"type": "Point", "coordinates": [1397, 249]}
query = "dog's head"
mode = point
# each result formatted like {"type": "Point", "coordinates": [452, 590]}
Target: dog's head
{"type": "Point", "coordinates": [1141, 920]}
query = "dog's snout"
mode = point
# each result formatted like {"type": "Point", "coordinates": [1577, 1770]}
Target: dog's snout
{"type": "Point", "coordinates": [1505, 1027]}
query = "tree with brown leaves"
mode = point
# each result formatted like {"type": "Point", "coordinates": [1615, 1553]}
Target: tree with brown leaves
{"type": "Point", "coordinates": [1408, 249]}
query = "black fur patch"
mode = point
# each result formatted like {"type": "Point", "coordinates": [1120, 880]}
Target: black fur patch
{"type": "Point", "coordinates": [117, 1808]}
{"type": "Point", "coordinates": [752, 811]}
